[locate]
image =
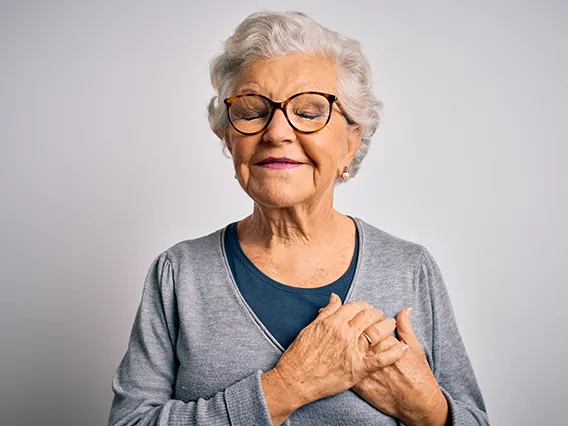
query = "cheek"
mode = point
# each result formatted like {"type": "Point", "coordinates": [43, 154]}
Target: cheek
{"type": "Point", "coordinates": [241, 150]}
{"type": "Point", "coordinates": [324, 152]}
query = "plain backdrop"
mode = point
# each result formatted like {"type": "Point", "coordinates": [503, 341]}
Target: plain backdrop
{"type": "Point", "coordinates": [107, 160]}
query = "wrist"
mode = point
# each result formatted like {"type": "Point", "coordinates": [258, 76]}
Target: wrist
{"type": "Point", "coordinates": [281, 398]}
{"type": "Point", "coordinates": [434, 413]}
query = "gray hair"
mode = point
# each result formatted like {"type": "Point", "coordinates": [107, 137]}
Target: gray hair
{"type": "Point", "coordinates": [268, 35]}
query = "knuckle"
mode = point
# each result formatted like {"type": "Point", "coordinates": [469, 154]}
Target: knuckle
{"type": "Point", "coordinates": [391, 341]}
{"type": "Point", "coordinates": [376, 313]}
{"type": "Point", "coordinates": [387, 343]}
{"type": "Point", "coordinates": [327, 325]}
{"type": "Point", "coordinates": [378, 333]}
{"type": "Point", "coordinates": [382, 359]}
{"type": "Point", "coordinates": [350, 304]}
{"type": "Point", "coordinates": [382, 345]}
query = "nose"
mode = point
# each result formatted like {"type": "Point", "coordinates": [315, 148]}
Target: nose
{"type": "Point", "coordinates": [279, 130]}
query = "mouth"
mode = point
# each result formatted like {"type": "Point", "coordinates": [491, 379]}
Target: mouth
{"type": "Point", "coordinates": [279, 163]}
{"type": "Point", "coordinates": [277, 160]}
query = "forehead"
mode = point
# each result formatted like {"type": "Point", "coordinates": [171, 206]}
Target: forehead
{"type": "Point", "coordinates": [282, 77]}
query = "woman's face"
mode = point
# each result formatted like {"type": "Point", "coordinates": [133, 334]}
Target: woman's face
{"type": "Point", "coordinates": [323, 154]}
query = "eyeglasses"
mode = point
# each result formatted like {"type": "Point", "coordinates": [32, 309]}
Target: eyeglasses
{"type": "Point", "coordinates": [307, 112]}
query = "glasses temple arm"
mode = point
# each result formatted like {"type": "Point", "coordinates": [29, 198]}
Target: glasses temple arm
{"type": "Point", "coordinates": [349, 120]}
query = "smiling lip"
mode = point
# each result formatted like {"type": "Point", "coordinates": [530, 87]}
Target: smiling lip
{"type": "Point", "coordinates": [279, 163]}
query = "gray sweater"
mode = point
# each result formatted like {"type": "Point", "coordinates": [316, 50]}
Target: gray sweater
{"type": "Point", "coordinates": [197, 350]}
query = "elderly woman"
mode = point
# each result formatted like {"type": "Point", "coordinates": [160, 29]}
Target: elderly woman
{"type": "Point", "coordinates": [296, 314]}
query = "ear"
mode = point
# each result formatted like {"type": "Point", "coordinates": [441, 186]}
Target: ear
{"type": "Point", "coordinates": [353, 140]}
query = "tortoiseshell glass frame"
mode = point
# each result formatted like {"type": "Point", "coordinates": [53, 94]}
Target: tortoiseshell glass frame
{"type": "Point", "coordinates": [282, 106]}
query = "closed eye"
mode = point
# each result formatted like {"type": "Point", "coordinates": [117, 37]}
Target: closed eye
{"type": "Point", "coordinates": [253, 115]}
{"type": "Point", "coordinates": [308, 116]}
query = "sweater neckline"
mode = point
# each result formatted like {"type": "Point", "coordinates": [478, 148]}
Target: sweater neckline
{"type": "Point", "coordinates": [250, 312]}
{"type": "Point", "coordinates": [231, 229]}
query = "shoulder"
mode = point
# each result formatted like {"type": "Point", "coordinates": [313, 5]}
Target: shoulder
{"type": "Point", "coordinates": [195, 250]}
{"type": "Point", "coordinates": [192, 251]}
{"type": "Point", "coordinates": [389, 248]}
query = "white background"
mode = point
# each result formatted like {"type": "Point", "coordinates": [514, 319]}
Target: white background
{"type": "Point", "coordinates": [107, 159]}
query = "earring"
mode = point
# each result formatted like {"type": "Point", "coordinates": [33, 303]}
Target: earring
{"type": "Point", "coordinates": [345, 175]}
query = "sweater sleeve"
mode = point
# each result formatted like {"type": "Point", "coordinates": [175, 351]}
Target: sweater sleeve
{"type": "Point", "coordinates": [144, 382]}
{"type": "Point", "coordinates": [451, 364]}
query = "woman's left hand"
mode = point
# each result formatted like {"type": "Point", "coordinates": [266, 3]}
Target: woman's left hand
{"type": "Point", "coordinates": [406, 389]}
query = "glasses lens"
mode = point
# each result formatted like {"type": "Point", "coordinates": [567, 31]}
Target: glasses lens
{"type": "Point", "coordinates": [308, 112]}
{"type": "Point", "coordinates": [249, 114]}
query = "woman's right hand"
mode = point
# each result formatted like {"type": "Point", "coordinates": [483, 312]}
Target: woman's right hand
{"type": "Point", "coordinates": [330, 355]}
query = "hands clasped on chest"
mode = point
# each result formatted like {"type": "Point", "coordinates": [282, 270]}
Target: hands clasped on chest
{"type": "Point", "coordinates": [351, 347]}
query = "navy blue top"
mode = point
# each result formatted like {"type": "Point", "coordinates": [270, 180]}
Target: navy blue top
{"type": "Point", "coordinates": [284, 310]}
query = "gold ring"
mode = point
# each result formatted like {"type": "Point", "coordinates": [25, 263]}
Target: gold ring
{"type": "Point", "coordinates": [368, 339]}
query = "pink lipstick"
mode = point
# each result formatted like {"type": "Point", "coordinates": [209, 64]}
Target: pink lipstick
{"type": "Point", "coordinates": [279, 163]}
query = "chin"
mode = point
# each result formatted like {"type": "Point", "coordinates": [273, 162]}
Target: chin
{"type": "Point", "coordinates": [282, 196]}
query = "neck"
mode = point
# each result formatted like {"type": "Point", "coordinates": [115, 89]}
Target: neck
{"type": "Point", "coordinates": [295, 226]}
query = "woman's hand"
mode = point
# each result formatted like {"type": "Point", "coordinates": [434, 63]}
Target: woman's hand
{"type": "Point", "coordinates": [406, 389]}
{"type": "Point", "coordinates": [331, 354]}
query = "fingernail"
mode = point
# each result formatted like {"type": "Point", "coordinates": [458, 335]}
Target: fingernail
{"type": "Point", "coordinates": [405, 348]}
{"type": "Point", "coordinates": [319, 311]}
{"type": "Point", "coordinates": [336, 298]}
{"type": "Point", "coordinates": [409, 312]}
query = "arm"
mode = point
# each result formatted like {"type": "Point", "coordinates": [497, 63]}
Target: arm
{"type": "Point", "coordinates": [281, 401]}
{"type": "Point", "coordinates": [143, 384]}
{"type": "Point", "coordinates": [450, 362]}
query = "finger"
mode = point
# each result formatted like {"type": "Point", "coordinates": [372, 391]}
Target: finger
{"type": "Point", "coordinates": [364, 344]}
{"type": "Point", "coordinates": [349, 310]}
{"type": "Point", "coordinates": [388, 357]}
{"type": "Point", "coordinates": [366, 319]}
{"type": "Point", "coordinates": [386, 343]}
{"type": "Point", "coordinates": [404, 328]}
{"type": "Point", "coordinates": [380, 346]}
{"type": "Point", "coordinates": [333, 305]}
{"type": "Point", "coordinates": [380, 330]}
